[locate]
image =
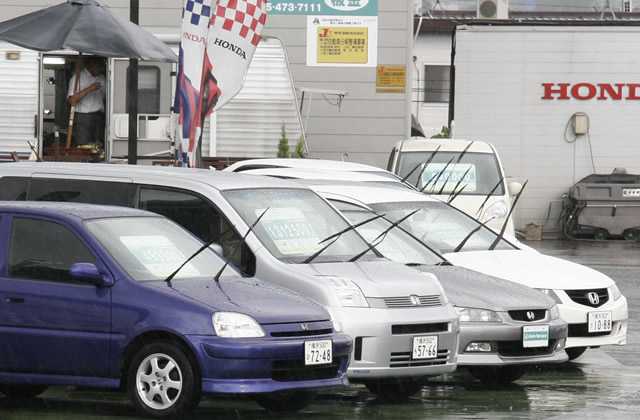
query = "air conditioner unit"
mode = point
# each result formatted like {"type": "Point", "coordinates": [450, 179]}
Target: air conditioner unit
{"type": "Point", "coordinates": [493, 9]}
{"type": "Point", "coordinates": [627, 6]}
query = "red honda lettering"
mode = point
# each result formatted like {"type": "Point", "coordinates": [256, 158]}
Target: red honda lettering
{"type": "Point", "coordinates": [578, 89]}
{"type": "Point", "coordinates": [562, 90]}
{"type": "Point", "coordinates": [633, 91]}
{"type": "Point", "coordinates": [609, 91]}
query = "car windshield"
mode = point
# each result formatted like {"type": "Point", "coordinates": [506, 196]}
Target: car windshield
{"type": "Point", "coordinates": [441, 226]}
{"type": "Point", "coordinates": [481, 172]}
{"type": "Point", "coordinates": [295, 223]}
{"type": "Point", "coordinates": [151, 248]}
{"type": "Point", "coordinates": [396, 245]}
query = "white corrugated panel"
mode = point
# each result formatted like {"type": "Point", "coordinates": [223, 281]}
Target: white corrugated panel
{"type": "Point", "coordinates": [250, 125]}
{"type": "Point", "coordinates": [18, 98]}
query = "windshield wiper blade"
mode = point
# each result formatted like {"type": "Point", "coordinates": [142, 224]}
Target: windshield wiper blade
{"type": "Point", "coordinates": [438, 175]}
{"type": "Point", "coordinates": [453, 192]}
{"type": "Point", "coordinates": [452, 199]}
{"type": "Point", "coordinates": [187, 261]}
{"type": "Point", "coordinates": [473, 232]}
{"type": "Point", "coordinates": [381, 237]}
{"type": "Point", "coordinates": [506, 221]}
{"type": "Point", "coordinates": [337, 236]}
{"type": "Point", "coordinates": [426, 163]}
{"type": "Point", "coordinates": [494, 189]}
{"type": "Point", "coordinates": [243, 240]}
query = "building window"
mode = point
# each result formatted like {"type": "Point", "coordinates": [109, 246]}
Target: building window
{"type": "Point", "coordinates": [148, 90]}
{"type": "Point", "coordinates": [437, 83]}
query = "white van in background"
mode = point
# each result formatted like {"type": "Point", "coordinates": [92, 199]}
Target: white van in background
{"type": "Point", "coordinates": [472, 168]}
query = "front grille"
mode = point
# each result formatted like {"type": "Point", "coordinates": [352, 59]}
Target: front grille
{"type": "Point", "coordinates": [310, 333]}
{"type": "Point", "coordinates": [296, 370]}
{"type": "Point", "coordinates": [419, 328]}
{"type": "Point", "coordinates": [515, 349]}
{"type": "Point", "coordinates": [404, 359]}
{"type": "Point", "coordinates": [582, 297]}
{"type": "Point", "coordinates": [525, 316]}
{"type": "Point", "coordinates": [582, 330]}
{"type": "Point", "coordinates": [412, 301]}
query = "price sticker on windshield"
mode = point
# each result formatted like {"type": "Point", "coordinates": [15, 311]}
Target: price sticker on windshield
{"type": "Point", "coordinates": [318, 352]}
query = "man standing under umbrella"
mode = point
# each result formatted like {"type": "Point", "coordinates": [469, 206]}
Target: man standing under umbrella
{"type": "Point", "coordinates": [87, 95]}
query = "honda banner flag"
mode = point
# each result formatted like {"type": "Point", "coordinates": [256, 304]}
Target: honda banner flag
{"type": "Point", "coordinates": [219, 38]}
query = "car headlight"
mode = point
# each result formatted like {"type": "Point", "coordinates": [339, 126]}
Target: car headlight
{"type": "Point", "coordinates": [552, 294]}
{"type": "Point", "coordinates": [614, 292]}
{"type": "Point", "coordinates": [554, 313]}
{"type": "Point", "coordinates": [477, 315]}
{"type": "Point", "coordinates": [348, 293]}
{"type": "Point", "coordinates": [497, 210]}
{"type": "Point", "coordinates": [235, 325]}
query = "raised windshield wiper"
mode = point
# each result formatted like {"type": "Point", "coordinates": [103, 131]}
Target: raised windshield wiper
{"type": "Point", "coordinates": [484, 203]}
{"type": "Point", "coordinates": [452, 199]}
{"type": "Point", "coordinates": [460, 156]}
{"type": "Point", "coordinates": [433, 155]}
{"type": "Point", "coordinates": [473, 232]}
{"type": "Point", "coordinates": [438, 175]}
{"type": "Point", "coordinates": [453, 192]}
{"type": "Point", "coordinates": [337, 236]}
{"type": "Point", "coordinates": [242, 241]}
{"type": "Point", "coordinates": [381, 237]}
{"type": "Point", "coordinates": [506, 221]}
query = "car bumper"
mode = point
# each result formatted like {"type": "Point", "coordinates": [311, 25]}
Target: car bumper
{"type": "Point", "coordinates": [576, 316]}
{"type": "Point", "coordinates": [382, 351]}
{"type": "Point", "coordinates": [506, 344]}
{"type": "Point", "coordinates": [256, 366]}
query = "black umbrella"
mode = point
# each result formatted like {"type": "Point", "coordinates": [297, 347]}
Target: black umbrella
{"type": "Point", "coordinates": [85, 26]}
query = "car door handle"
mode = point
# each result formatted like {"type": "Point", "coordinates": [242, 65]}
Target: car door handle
{"type": "Point", "coordinates": [14, 300]}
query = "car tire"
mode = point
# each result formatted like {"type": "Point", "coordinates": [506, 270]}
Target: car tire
{"type": "Point", "coordinates": [498, 376]}
{"type": "Point", "coordinates": [285, 402]}
{"type": "Point", "coordinates": [22, 392]}
{"type": "Point", "coordinates": [575, 352]}
{"type": "Point", "coordinates": [395, 391]}
{"type": "Point", "coordinates": [162, 382]}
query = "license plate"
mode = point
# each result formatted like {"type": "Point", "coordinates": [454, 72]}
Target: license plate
{"type": "Point", "coordinates": [630, 192]}
{"type": "Point", "coordinates": [425, 347]}
{"type": "Point", "coordinates": [600, 322]}
{"type": "Point", "coordinates": [535, 336]}
{"type": "Point", "coordinates": [318, 353]}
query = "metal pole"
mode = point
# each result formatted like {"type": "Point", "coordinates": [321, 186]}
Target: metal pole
{"type": "Point", "coordinates": [132, 90]}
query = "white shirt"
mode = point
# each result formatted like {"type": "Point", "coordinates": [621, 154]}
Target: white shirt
{"type": "Point", "coordinates": [94, 101]}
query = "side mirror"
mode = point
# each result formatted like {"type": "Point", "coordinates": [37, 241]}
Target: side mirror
{"type": "Point", "coordinates": [89, 273]}
{"type": "Point", "coordinates": [514, 188]}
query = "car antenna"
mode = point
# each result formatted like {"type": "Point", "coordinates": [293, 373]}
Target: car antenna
{"type": "Point", "coordinates": [433, 155]}
{"type": "Point", "coordinates": [377, 241]}
{"type": "Point", "coordinates": [473, 232]}
{"type": "Point", "coordinates": [242, 241]}
{"type": "Point", "coordinates": [506, 221]}
{"type": "Point", "coordinates": [484, 203]}
{"type": "Point", "coordinates": [337, 236]}
{"type": "Point", "coordinates": [453, 192]}
{"type": "Point", "coordinates": [438, 175]}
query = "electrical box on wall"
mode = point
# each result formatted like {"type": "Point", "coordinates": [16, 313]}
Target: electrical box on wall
{"type": "Point", "coordinates": [580, 124]}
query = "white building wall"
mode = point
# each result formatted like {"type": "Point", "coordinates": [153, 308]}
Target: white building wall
{"type": "Point", "coordinates": [500, 72]}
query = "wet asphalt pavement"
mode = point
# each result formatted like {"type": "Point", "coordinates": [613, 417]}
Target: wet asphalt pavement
{"type": "Point", "coordinates": [605, 383]}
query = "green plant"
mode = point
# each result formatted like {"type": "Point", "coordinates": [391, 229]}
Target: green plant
{"type": "Point", "coordinates": [299, 153]}
{"type": "Point", "coordinates": [443, 134]}
{"type": "Point", "coordinates": [283, 145]}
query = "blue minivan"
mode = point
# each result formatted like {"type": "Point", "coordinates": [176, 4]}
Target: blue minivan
{"type": "Point", "coordinates": [92, 296]}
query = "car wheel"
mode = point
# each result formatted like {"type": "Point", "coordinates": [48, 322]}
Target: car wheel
{"type": "Point", "coordinates": [22, 392]}
{"type": "Point", "coordinates": [162, 382]}
{"type": "Point", "coordinates": [395, 391]}
{"type": "Point", "coordinates": [601, 235]}
{"type": "Point", "coordinates": [575, 352]}
{"type": "Point", "coordinates": [285, 402]}
{"type": "Point", "coordinates": [498, 376]}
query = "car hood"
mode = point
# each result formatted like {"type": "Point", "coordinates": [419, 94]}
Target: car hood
{"type": "Point", "coordinates": [267, 304]}
{"type": "Point", "coordinates": [378, 279]}
{"type": "Point", "coordinates": [470, 289]}
{"type": "Point", "coordinates": [532, 269]}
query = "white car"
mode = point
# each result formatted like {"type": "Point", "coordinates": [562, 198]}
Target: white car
{"type": "Point", "coordinates": [589, 301]}
{"type": "Point", "coordinates": [474, 168]}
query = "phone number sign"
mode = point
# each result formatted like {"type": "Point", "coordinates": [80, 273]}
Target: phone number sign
{"type": "Point", "coordinates": [323, 7]}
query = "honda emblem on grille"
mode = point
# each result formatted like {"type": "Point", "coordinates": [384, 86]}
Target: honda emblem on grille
{"type": "Point", "coordinates": [305, 327]}
{"type": "Point", "coordinates": [531, 315]}
{"type": "Point", "coordinates": [415, 300]}
{"type": "Point", "coordinates": [593, 297]}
